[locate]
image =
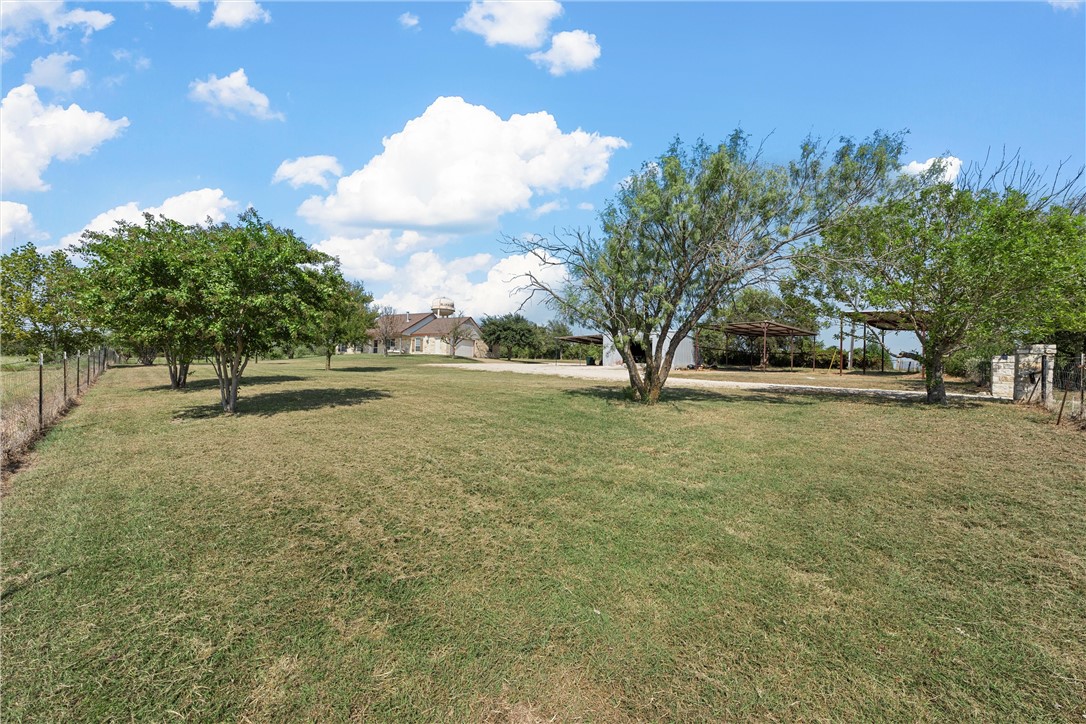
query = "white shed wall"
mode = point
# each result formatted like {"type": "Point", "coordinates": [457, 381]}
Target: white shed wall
{"type": "Point", "coordinates": [684, 354]}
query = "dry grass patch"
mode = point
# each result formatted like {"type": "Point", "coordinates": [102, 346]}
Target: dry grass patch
{"type": "Point", "coordinates": [800, 376]}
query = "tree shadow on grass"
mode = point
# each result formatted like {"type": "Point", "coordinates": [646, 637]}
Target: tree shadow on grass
{"type": "Point", "coordinates": [266, 404]}
{"type": "Point", "coordinates": [212, 383]}
{"type": "Point", "coordinates": [357, 368]}
{"type": "Point", "coordinates": [778, 396]}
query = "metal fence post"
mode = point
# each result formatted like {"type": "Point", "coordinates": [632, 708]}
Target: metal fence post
{"type": "Point", "coordinates": [65, 378]}
{"type": "Point", "coordinates": [88, 367]}
{"type": "Point", "coordinates": [41, 389]}
{"type": "Point", "coordinates": [78, 354]}
{"type": "Point", "coordinates": [1081, 386]}
{"type": "Point", "coordinates": [1044, 378]}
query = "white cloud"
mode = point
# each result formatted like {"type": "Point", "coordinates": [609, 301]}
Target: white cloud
{"type": "Point", "coordinates": [237, 14]}
{"type": "Point", "coordinates": [585, 206]}
{"type": "Point", "coordinates": [52, 72]}
{"type": "Point", "coordinates": [33, 134]}
{"type": "Point", "coordinates": [1073, 5]}
{"type": "Point", "coordinates": [409, 20]}
{"type": "Point", "coordinates": [547, 208]}
{"type": "Point", "coordinates": [191, 207]}
{"type": "Point", "coordinates": [504, 22]}
{"type": "Point", "coordinates": [17, 225]}
{"type": "Point", "coordinates": [461, 166]}
{"type": "Point", "coordinates": [308, 170]}
{"type": "Point", "coordinates": [570, 51]}
{"type": "Point", "coordinates": [24, 19]}
{"type": "Point", "coordinates": [426, 276]}
{"type": "Point", "coordinates": [371, 255]}
{"type": "Point", "coordinates": [952, 166]}
{"type": "Point", "coordinates": [361, 257]}
{"type": "Point", "coordinates": [137, 61]}
{"type": "Point", "coordinates": [233, 94]}
{"type": "Point", "coordinates": [190, 5]}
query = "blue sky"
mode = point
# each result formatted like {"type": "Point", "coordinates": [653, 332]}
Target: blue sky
{"type": "Point", "coordinates": [405, 138]}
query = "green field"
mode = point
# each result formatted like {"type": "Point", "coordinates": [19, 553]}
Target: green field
{"type": "Point", "coordinates": [389, 540]}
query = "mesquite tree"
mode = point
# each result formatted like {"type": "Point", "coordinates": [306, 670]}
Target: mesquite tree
{"type": "Point", "coordinates": [693, 227]}
{"type": "Point", "coordinates": [991, 260]}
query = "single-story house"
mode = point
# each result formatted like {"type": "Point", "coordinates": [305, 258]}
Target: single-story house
{"type": "Point", "coordinates": [424, 333]}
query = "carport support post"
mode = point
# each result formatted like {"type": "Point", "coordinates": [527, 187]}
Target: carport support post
{"type": "Point", "coordinates": [765, 351]}
{"type": "Point", "coordinates": [882, 355]}
{"type": "Point", "coordinates": [791, 354]}
{"type": "Point", "coordinates": [865, 348]}
{"type": "Point", "coordinates": [841, 343]}
{"type": "Point", "coordinates": [814, 353]}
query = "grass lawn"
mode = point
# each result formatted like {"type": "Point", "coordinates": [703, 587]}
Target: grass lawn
{"type": "Point", "coordinates": [388, 540]}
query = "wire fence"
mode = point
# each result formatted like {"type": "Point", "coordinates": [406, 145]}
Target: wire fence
{"type": "Point", "coordinates": [34, 394]}
{"type": "Point", "coordinates": [1069, 385]}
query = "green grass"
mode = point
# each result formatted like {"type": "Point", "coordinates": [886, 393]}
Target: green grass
{"type": "Point", "coordinates": [389, 540]}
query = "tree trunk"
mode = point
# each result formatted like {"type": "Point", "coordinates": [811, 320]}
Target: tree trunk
{"type": "Point", "coordinates": [172, 371]}
{"type": "Point", "coordinates": [328, 359]}
{"type": "Point", "coordinates": [933, 379]}
{"type": "Point", "coordinates": [229, 365]}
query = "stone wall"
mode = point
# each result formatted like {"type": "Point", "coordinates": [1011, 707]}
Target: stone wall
{"type": "Point", "coordinates": [1017, 377]}
{"type": "Point", "coordinates": [1003, 376]}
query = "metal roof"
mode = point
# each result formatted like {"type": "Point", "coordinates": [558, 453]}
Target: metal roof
{"type": "Point", "coordinates": [765, 328]}
{"type": "Point", "coordinates": [582, 339]}
{"type": "Point", "coordinates": [888, 321]}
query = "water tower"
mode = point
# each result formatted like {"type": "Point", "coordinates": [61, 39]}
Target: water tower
{"type": "Point", "coordinates": [443, 307]}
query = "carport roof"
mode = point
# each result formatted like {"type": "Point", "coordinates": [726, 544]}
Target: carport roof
{"type": "Point", "coordinates": [888, 321]}
{"type": "Point", "coordinates": [583, 339]}
{"type": "Point", "coordinates": [765, 328]}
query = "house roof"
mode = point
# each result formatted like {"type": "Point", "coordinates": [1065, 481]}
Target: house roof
{"type": "Point", "coordinates": [441, 326]}
{"type": "Point", "coordinates": [401, 323]}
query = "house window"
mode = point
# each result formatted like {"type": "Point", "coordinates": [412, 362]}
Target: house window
{"type": "Point", "coordinates": [418, 344]}
{"type": "Point", "coordinates": [375, 343]}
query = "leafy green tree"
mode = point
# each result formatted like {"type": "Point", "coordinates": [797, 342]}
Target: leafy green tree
{"type": "Point", "coordinates": [549, 346]}
{"type": "Point", "coordinates": [39, 302]}
{"type": "Point", "coordinates": [346, 315]}
{"type": "Point", "coordinates": [146, 284]}
{"type": "Point", "coordinates": [262, 286]}
{"type": "Point", "coordinates": [509, 333]}
{"type": "Point", "coordinates": [692, 228]}
{"type": "Point", "coordinates": [966, 265]}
